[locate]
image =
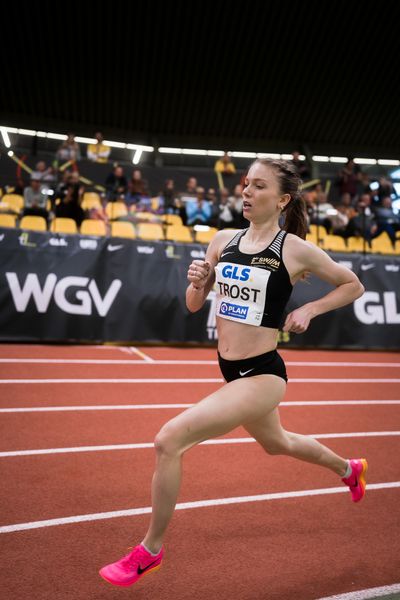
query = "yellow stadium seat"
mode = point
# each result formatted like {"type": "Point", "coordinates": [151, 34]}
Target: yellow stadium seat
{"type": "Point", "coordinates": [311, 238]}
{"type": "Point", "coordinates": [7, 220]}
{"type": "Point", "coordinates": [334, 243]}
{"type": "Point", "coordinates": [150, 231]}
{"type": "Point", "coordinates": [14, 202]}
{"type": "Point", "coordinates": [318, 232]}
{"type": "Point", "coordinates": [356, 244]}
{"type": "Point", "coordinates": [114, 210]}
{"type": "Point", "coordinates": [205, 237]}
{"type": "Point", "coordinates": [146, 216]}
{"type": "Point", "coordinates": [93, 227]}
{"type": "Point", "coordinates": [179, 233]}
{"type": "Point", "coordinates": [91, 200]}
{"type": "Point", "coordinates": [383, 244]}
{"type": "Point", "coordinates": [33, 223]}
{"type": "Point", "coordinates": [122, 229]}
{"type": "Point", "coordinates": [63, 225]}
{"type": "Point", "coordinates": [172, 219]}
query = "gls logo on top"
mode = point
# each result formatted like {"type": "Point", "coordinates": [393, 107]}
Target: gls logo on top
{"type": "Point", "coordinates": [21, 294]}
{"type": "Point", "coordinates": [237, 273]}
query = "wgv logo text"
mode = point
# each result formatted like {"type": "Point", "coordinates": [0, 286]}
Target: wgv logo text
{"type": "Point", "coordinates": [87, 294]}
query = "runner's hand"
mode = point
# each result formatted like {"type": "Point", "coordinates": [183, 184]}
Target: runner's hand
{"type": "Point", "coordinates": [198, 273]}
{"type": "Point", "coordinates": [298, 320]}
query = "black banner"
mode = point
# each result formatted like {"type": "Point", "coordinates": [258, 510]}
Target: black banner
{"type": "Point", "coordinates": [84, 289]}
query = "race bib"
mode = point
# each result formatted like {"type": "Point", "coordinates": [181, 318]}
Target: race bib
{"type": "Point", "coordinates": [241, 292]}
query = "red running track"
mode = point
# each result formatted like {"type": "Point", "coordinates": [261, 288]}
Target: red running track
{"type": "Point", "coordinates": [304, 547]}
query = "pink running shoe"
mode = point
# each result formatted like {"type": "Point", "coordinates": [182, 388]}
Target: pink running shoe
{"type": "Point", "coordinates": [132, 567]}
{"type": "Point", "coordinates": [356, 481]}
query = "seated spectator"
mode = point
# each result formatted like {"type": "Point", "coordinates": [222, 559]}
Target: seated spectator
{"type": "Point", "coordinates": [226, 216]}
{"type": "Point", "coordinates": [116, 184]}
{"type": "Point", "coordinates": [198, 211]}
{"type": "Point", "coordinates": [44, 174]}
{"type": "Point", "coordinates": [301, 166]}
{"type": "Point", "coordinates": [386, 219]}
{"type": "Point", "coordinates": [69, 205]}
{"type": "Point", "coordinates": [225, 165]}
{"type": "Point", "coordinates": [69, 151]}
{"type": "Point", "coordinates": [363, 223]}
{"type": "Point", "coordinates": [168, 197]}
{"type": "Point", "coordinates": [98, 152]}
{"type": "Point", "coordinates": [190, 192]}
{"type": "Point", "coordinates": [322, 211]}
{"type": "Point", "coordinates": [35, 199]}
{"type": "Point", "coordinates": [237, 207]}
{"type": "Point", "coordinates": [385, 188]}
{"type": "Point", "coordinates": [340, 220]}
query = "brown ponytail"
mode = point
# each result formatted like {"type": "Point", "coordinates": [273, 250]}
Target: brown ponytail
{"type": "Point", "coordinates": [296, 217]}
{"type": "Point", "coordinates": [295, 211]}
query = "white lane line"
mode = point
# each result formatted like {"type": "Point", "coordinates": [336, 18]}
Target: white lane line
{"type": "Point", "coordinates": [94, 407]}
{"type": "Point", "coordinates": [369, 594]}
{"type": "Point", "coordinates": [172, 406]}
{"type": "Point", "coordinates": [142, 355]}
{"type": "Point", "coordinates": [212, 380]}
{"type": "Point", "coordinates": [147, 360]}
{"type": "Point", "coordinates": [213, 442]}
{"type": "Point", "coordinates": [29, 381]}
{"type": "Point", "coordinates": [188, 505]}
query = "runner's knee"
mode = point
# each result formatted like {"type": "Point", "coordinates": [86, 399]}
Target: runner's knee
{"type": "Point", "coordinates": [167, 441]}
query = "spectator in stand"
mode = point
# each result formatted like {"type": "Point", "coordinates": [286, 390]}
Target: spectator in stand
{"type": "Point", "coordinates": [168, 197]}
{"type": "Point", "coordinates": [363, 223]}
{"type": "Point", "coordinates": [347, 201]}
{"type": "Point", "coordinates": [237, 207]}
{"type": "Point", "coordinates": [224, 165]}
{"type": "Point", "coordinates": [385, 188]}
{"type": "Point", "coordinates": [35, 199]}
{"type": "Point", "coordinates": [348, 178]}
{"type": "Point", "coordinates": [68, 178]}
{"type": "Point", "coordinates": [198, 211]}
{"type": "Point", "coordinates": [189, 194]}
{"type": "Point", "coordinates": [138, 193]}
{"type": "Point", "coordinates": [226, 216]}
{"type": "Point", "coordinates": [301, 166]}
{"type": "Point", "coordinates": [190, 191]}
{"type": "Point", "coordinates": [363, 184]}
{"type": "Point", "coordinates": [98, 152]}
{"type": "Point", "coordinates": [322, 209]}
{"type": "Point", "coordinates": [212, 199]}
{"type": "Point", "coordinates": [386, 219]}
{"type": "Point", "coordinates": [340, 221]}
{"type": "Point", "coordinates": [116, 184]}
{"type": "Point", "coordinates": [69, 151]}
{"type": "Point", "coordinates": [69, 205]}
{"type": "Point", "coordinates": [44, 174]}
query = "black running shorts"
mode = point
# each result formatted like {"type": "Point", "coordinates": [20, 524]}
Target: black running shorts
{"type": "Point", "coordinates": [269, 363]}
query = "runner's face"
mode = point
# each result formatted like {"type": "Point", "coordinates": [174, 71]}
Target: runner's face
{"type": "Point", "coordinates": [261, 194]}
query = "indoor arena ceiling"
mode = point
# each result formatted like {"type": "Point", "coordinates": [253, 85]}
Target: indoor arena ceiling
{"type": "Point", "coordinates": [220, 75]}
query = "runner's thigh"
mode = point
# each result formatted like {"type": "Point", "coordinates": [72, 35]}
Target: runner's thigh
{"type": "Point", "coordinates": [236, 403]}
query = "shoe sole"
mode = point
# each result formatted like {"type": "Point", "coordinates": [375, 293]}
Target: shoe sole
{"type": "Point", "coordinates": [153, 570]}
{"type": "Point", "coordinates": [361, 480]}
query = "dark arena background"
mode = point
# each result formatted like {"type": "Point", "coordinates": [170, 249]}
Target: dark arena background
{"type": "Point", "coordinates": [98, 349]}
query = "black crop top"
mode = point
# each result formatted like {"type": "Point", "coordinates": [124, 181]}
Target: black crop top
{"type": "Point", "coordinates": [253, 288]}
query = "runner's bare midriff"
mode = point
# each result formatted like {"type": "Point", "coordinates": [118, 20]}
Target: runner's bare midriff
{"type": "Point", "coordinates": [238, 341]}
